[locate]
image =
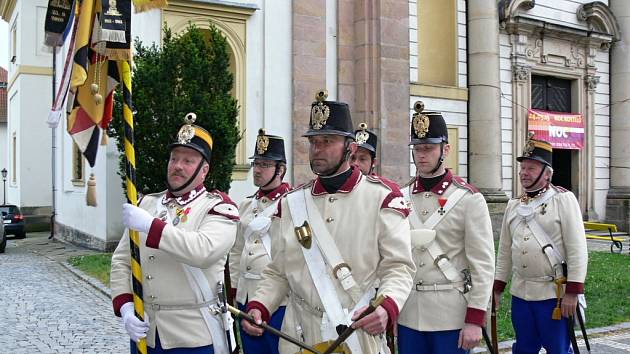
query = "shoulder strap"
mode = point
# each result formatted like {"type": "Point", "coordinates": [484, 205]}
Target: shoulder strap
{"type": "Point", "coordinates": [438, 215]}
{"type": "Point", "coordinates": [317, 267]}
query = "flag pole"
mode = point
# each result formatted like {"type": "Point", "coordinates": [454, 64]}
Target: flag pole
{"type": "Point", "coordinates": [132, 196]}
{"type": "Point", "coordinates": [53, 143]}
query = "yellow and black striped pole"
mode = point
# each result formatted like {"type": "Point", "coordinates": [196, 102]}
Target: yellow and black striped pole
{"type": "Point", "coordinates": [132, 195]}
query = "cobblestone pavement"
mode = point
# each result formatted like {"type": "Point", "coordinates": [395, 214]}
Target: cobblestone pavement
{"type": "Point", "coordinates": [47, 309]}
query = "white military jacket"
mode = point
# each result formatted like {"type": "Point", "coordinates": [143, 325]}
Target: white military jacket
{"type": "Point", "coordinates": [202, 238]}
{"type": "Point", "coordinates": [521, 256]}
{"type": "Point", "coordinates": [465, 235]}
{"type": "Point", "coordinates": [368, 221]}
{"type": "Point", "coordinates": [249, 257]}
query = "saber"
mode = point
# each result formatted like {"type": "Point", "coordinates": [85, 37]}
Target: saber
{"type": "Point", "coordinates": [247, 317]}
{"type": "Point", "coordinates": [349, 330]}
{"type": "Point", "coordinates": [571, 327]}
{"type": "Point", "coordinates": [486, 338]}
{"type": "Point", "coordinates": [583, 329]}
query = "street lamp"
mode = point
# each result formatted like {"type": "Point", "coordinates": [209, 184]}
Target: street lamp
{"type": "Point", "coordinates": [4, 186]}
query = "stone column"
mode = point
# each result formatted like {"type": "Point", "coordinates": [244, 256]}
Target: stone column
{"type": "Point", "coordinates": [618, 199]}
{"type": "Point", "coordinates": [484, 106]}
{"type": "Point", "coordinates": [309, 75]}
{"type": "Point", "coordinates": [373, 50]}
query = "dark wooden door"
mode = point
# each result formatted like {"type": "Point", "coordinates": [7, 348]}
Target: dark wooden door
{"type": "Point", "coordinates": [553, 94]}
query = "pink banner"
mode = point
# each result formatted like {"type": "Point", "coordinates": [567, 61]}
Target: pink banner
{"type": "Point", "coordinates": [562, 130]}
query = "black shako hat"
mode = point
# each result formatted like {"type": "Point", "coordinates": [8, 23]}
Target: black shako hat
{"type": "Point", "coordinates": [193, 137]}
{"type": "Point", "coordinates": [366, 139]}
{"type": "Point", "coordinates": [537, 150]}
{"type": "Point", "coordinates": [269, 147]}
{"type": "Point", "coordinates": [329, 117]}
{"type": "Point", "coordinates": [427, 127]}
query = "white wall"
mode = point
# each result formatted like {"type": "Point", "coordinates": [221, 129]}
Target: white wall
{"type": "Point", "coordinates": [505, 77]}
{"type": "Point", "coordinates": [269, 82]}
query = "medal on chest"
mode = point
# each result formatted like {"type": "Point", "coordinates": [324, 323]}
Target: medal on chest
{"type": "Point", "coordinates": [181, 215]}
{"type": "Point", "coordinates": [442, 202]}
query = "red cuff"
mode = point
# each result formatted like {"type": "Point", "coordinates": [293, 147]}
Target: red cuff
{"type": "Point", "coordinates": [475, 316]}
{"type": "Point", "coordinates": [574, 287]}
{"type": "Point", "coordinates": [499, 286]}
{"type": "Point", "coordinates": [155, 233]}
{"type": "Point", "coordinates": [264, 313]}
{"type": "Point", "coordinates": [392, 311]}
{"type": "Point", "coordinates": [120, 300]}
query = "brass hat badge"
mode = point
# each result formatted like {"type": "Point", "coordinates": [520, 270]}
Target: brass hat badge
{"type": "Point", "coordinates": [529, 145]}
{"type": "Point", "coordinates": [420, 121]}
{"type": "Point", "coordinates": [187, 131]}
{"type": "Point", "coordinates": [362, 136]}
{"type": "Point", "coordinates": [320, 112]}
{"type": "Point", "coordinates": [262, 142]}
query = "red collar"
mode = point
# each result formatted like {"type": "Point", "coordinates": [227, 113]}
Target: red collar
{"type": "Point", "coordinates": [275, 193]}
{"type": "Point", "coordinates": [439, 188]}
{"type": "Point", "coordinates": [348, 186]}
{"type": "Point", "coordinates": [186, 198]}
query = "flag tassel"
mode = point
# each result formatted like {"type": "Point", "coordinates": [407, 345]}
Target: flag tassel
{"type": "Point", "coordinates": [90, 196]}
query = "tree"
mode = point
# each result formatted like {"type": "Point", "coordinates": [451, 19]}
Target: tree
{"type": "Point", "coordinates": [189, 73]}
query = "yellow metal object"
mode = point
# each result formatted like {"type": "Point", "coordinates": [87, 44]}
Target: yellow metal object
{"type": "Point", "coordinates": [304, 235]}
{"type": "Point", "coordinates": [321, 347]}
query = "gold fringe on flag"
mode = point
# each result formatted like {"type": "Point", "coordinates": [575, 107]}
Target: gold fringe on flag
{"type": "Point", "coordinates": [146, 5]}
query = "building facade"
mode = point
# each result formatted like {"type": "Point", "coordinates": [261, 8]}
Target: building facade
{"type": "Point", "coordinates": [483, 63]}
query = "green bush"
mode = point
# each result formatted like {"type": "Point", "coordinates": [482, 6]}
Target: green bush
{"type": "Point", "coordinates": [189, 73]}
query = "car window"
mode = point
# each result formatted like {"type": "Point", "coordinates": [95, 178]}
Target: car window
{"type": "Point", "coordinates": [9, 209]}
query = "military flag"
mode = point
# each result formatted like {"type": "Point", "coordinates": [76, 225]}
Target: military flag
{"type": "Point", "coordinates": [59, 14]}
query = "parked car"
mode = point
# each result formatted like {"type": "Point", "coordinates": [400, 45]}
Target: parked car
{"type": "Point", "coordinates": [3, 238]}
{"type": "Point", "coordinates": [13, 220]}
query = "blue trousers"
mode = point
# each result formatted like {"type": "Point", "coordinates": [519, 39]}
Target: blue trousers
{"type": "Point", "coordinates": [534, 328]}
{"type": "Point", "coordinates": [436, 342]}
{"type": "Point", "coordinates": [159, 350]}
{"type": "Point", "coordinates": [267, 343]}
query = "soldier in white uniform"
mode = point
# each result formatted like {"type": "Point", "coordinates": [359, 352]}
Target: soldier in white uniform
{"type": "Point", "coordinates": [365, 156]}
{"type": "Point", "coordinates": [186, 233]}
{"type": "Point", "coordinates": [446, 309]}
{"type": "Point", "coordinates": [252, 251]}
{"type": "Point", "coordinates": [543, 248]}
{"type": "Point", "coordinates": [334, 240]}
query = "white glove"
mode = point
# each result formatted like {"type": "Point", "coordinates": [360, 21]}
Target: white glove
{"type": "Point", "coordinates": [134, 327]}
{"type": "Point", "coordinates": [136, 218]}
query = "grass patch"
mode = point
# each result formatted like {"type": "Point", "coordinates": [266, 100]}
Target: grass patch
{"type": "Point", "coordinates": [95, 265]}
{"type": "Point", "coordinates": [606, 290]}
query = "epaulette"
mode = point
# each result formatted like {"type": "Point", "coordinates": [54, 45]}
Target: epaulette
{"type": "Point", "coordinates": [458, 181]}
{"type": "Point", "coordinates": [226, 207]}
{"type": "Point", "coordinates": [391, 185]}
{"type": "Point", "coordinates": [559, 189]}
{"type": "Point", "coordinates": [224, 197]}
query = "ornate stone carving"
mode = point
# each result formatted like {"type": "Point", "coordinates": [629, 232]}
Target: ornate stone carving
{"type": "Point", "coordinates": [533, 52]}
{"type": "Point", "coordinates": [520, 73]}
{"type": "Point", "coordinates": [600, 18]}
{"type": "Point", "coordinates": [577, 57]}
{"type": "Point", "coordinates": [591, 81]}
